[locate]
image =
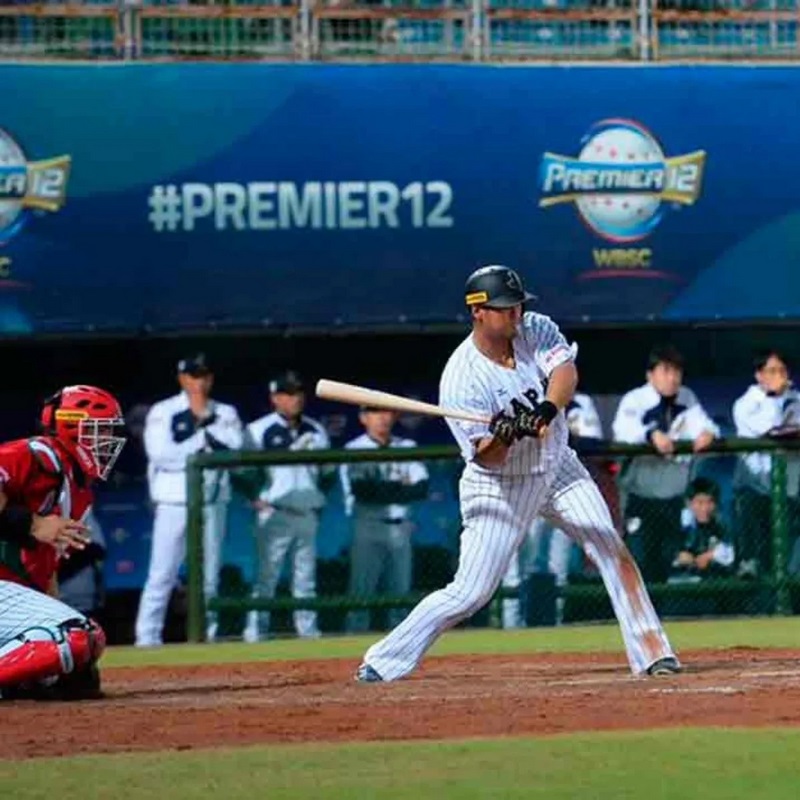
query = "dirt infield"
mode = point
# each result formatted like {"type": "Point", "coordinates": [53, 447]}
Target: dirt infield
{"type": "Point", "coordinates": [456, 696]}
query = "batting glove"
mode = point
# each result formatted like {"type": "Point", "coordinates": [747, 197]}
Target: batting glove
{"type": "Point", "coordinates": [503, 428]}
{"type": "Point", "coordinates": [532, 423]}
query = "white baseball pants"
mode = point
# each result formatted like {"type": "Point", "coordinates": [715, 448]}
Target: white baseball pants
{"type": "Point", "coordinates": [23, 609]}
{"type": "Point", "coordinates": [286, 535]}
{"type": "Point", "coordinates": [166, 556]}
{"type": "Point", "coordinates": [497, 513]}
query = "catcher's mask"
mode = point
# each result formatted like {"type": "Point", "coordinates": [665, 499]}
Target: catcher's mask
{"type": "Point", "coordinates": [89, 422]}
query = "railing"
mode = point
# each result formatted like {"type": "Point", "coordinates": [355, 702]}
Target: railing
{"type": "Point", "coordinates": [766, 527]}
{"type": "Point", "coordinates": [422, 30]}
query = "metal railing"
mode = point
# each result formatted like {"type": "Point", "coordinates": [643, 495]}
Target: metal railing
{"type": "Point", "coordinates": [774, 590]}
{"type": "Point", "coordinates": [401, 30]}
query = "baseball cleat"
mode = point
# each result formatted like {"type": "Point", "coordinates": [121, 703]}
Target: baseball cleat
{"type": "Point", "coordinates": [366, 674]}
{"type": "Point", "coordinates": [665, 666]}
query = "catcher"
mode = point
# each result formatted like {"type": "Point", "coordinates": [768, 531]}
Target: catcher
{"type": "Point", "coordinates": [47, 649]}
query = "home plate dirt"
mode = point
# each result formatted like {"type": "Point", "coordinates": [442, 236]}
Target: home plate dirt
{"type": "Point", "coordinates": [449, 697]}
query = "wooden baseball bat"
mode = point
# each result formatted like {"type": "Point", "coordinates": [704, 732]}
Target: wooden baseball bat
{"type": "Point", "coordinates": [361, 396]}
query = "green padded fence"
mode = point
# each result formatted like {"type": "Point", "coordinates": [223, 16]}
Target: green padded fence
{"type": "Point", "coordinates": [763, 527]}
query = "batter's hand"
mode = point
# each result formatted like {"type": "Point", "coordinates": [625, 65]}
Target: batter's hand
{"type": "Point", "coordinates": [534, 423]}
{"type": "Point", "coordinates": [59, 531]}
{"type": "Point", "coordinates": [503, 428]}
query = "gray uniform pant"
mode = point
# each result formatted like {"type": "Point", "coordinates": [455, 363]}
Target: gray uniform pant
{"type": "Point", "coordinates": [288, 534]}
{"type": "Point", "coordinates": [380, 557]}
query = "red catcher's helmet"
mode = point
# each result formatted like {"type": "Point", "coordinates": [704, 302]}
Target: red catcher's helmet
{"type": "Point", "coordinates": [89, 422]}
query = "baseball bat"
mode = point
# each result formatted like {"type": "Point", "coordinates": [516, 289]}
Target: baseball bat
{"type": "Point", "coordinates": [361, 396]}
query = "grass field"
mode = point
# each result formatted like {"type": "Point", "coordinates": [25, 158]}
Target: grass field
{"type": "Point", "coordinates": [685, 763]}
{"type": "Point", "coordinates": [767, 632]}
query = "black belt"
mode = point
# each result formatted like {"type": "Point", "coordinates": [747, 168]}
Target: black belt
{"type": "Point", "coordinates": [393, 521]}
{"type": "Point", "coordinates": [296, 512]}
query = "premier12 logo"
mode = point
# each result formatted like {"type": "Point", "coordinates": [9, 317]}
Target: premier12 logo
{"type": "Point", "coordinates": [26, 186]}
{"type": "Point", "coordinates": [621, 183]}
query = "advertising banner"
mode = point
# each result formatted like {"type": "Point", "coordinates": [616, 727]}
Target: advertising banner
{"type": "Point", "coordinates": [186, 196]}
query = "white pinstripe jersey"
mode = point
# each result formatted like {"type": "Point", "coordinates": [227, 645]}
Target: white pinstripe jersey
{"type": "Point", "coordinates": [472, 382]}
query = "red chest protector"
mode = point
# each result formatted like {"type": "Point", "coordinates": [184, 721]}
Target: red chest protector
{"type": "Point", "coordinates": [42, 476]}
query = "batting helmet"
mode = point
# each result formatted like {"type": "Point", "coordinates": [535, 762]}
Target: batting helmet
{"type": "Point", "coordinates": [495, 287]}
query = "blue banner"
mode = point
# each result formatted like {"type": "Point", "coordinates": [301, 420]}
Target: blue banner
{"type": "Point", "coordinates": [170, 197]}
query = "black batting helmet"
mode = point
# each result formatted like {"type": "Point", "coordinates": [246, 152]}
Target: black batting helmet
{"type": "Point", "coordinates": [495, 287]}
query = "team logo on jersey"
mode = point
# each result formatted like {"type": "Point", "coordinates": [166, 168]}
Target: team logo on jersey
{"type": "Point", "coordinates": [27, 186]}
{"type": "Point", "coordinates": [621, 180]}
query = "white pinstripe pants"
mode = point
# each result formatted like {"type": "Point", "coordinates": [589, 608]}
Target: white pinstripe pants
{"type": "Point", "coordinates": [497, 513]}
{"type": "Point", "coordinates": [23, 610]}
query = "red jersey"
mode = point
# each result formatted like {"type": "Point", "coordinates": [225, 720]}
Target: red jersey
{"type": "Point", "coordinates": [41, 475]}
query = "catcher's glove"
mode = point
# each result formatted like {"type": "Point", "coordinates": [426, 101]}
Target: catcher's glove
{"type": "Point", "coordinates": [532, 422]}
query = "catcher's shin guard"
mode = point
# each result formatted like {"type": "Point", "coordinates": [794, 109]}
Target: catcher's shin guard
{"type": "Point", "coordinates": [40, 653]}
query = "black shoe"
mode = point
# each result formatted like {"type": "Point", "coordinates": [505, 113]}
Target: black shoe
{"type": "Point", "coordinates": [665, 666]}
{"type": "Point", "coordinates": [23, 691]}
{"type": "Point", "coordinates": [81, 685]}
{"type": "Point", "coordinates": [366, 674]}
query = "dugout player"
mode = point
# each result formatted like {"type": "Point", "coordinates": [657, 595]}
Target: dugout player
{"type": "Point", "coordinates": [49, 650]}
{"type": "Point", "coordinates": [289, 505]}
{"type": "Point", "coordinates": [769, 407]}
{"type": "Point", "coordinates": [661, 412]}
{"type": "Point", "coordinates": [378, 498]}
{"type": "Point", "coordinates": [176, 428]}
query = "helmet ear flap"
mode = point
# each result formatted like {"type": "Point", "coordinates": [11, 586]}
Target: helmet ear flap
{"type": "Point", "coordinates": [48, 419]}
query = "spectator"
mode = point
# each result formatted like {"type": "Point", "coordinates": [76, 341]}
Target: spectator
{"type": "Point", "coordinates": [289, 505]}
{"type": "Point", "coordinates": [548, 549]}
{"type": "Point", "coordinates": [378, 497]}
{"type": "Point", "coordinates": [770, 406]}
{"type": "Point", "coordinates": [180, 426]}
{"type": "Point", "coordinates": [660, 413]}
{"type": "Point", "coordinates": [706, 550]}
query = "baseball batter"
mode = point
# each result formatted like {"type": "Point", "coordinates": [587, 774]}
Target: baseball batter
{"type": "Point", "coordinates": [519, 369]}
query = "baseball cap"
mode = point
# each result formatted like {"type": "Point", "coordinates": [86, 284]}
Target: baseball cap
{"type": "Point", "coordinates": [195, 365]}
{"type": "Point", "coordinates": [289, 382]}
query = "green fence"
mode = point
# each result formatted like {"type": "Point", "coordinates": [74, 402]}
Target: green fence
{"type": "Point", "coordinates": [753, 567]}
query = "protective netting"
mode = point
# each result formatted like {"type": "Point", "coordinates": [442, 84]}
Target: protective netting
{"type": "Point", "coordinates": [715, 541]}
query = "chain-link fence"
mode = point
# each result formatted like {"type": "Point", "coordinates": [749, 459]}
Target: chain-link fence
{"type": "Point", "coordinates": [714, 534]}
{"type": "Point", "coordinates": [88, 30]}
{"type": "Point", "coordinates": [402, 29]}
{"type": "Point", "coordinates": [725, 29]}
